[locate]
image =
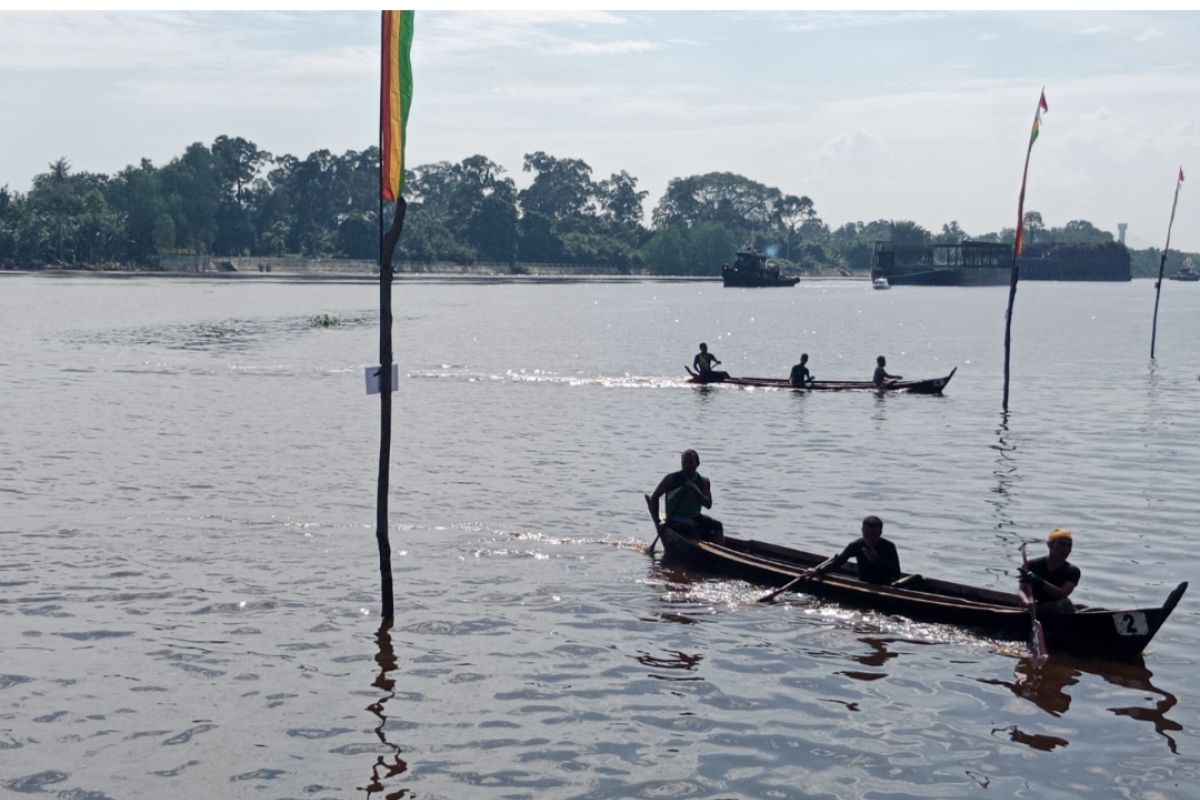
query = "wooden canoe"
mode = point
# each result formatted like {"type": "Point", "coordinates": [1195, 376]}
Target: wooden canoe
{"type": "Point", "coordinates": [1090, 631]}
{"type": "Point", "coordinates": [926, 386]}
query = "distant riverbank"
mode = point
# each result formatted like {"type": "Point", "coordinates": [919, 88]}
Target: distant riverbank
{"type": "Point", "coordinates": [330, 276]}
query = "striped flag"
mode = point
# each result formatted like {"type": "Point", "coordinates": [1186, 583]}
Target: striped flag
{"type": "Point", "coordinates": [395, 90]}
{"type": "Point", "coordinates": [1037, 118]}
{"type": "Point", "coordinates": [1019, 240]}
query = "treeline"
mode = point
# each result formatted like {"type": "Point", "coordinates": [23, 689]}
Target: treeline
{"type": "Point", "coordinates": [232, 198]}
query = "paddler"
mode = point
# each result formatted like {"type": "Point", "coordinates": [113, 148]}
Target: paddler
{"type": "Point", "coordinates": [704, 362]}
{"type": "Point", "coordinates": [876, 557]}
{"type": "Point", "coordinates": [1052, 577]}
{"type": "Point", "coordinates": [687, 492]}
{"type": "Point", "coordinates": [800, 376]}
{"type": "Point", "coordinates": [881, 377]}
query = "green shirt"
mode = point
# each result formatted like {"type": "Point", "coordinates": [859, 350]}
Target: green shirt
{"type": "Point", "coordinates": [682, 502]}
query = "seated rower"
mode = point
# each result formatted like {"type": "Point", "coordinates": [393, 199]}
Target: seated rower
{"type": "Point", "coordinates": [1052, 577]}
{"type": "Point", "coordinates": [704, 362]}
{"type": "Point", "coordinates": [882, 377]}
{"type": "Point", "coordinates": [800, 376]}
{"type": "Point", "coordinates": [876, 557]}
{"type": "Point", "coordinates": [687, 492]}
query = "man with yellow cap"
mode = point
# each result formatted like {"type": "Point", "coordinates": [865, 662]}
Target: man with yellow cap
{"type": "Point", "coordinates": [1052, 577]}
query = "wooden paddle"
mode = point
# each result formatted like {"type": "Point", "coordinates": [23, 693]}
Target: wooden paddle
{"type": "Point", "coordinates": [1037, 634]}
{"type": "Point", "coordinates": [657, 525]}
{"type": "Point", "coordinates": [769, 596]}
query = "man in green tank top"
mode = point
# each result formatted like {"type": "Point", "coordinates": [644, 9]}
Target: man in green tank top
{"type": "Point", "coordinates": [687, 493]}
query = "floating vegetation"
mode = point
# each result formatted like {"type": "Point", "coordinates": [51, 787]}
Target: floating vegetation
{"type": "Point", "coordinates": [325, 321]}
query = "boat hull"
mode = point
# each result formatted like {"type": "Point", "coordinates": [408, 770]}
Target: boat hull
{"type": "Point", "coordinates": [734, 280]}
{"type": "Point", "coordinates": [925, 386]}
{"type": "Point", "coordinates": [1090, 631]}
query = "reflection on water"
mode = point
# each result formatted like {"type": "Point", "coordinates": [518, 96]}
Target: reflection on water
{"type": "Point", "coordinates": [879, 654]}
{"type": "Point", "coordinates": [381, 770]}
{"type": "Point", "coordinates": [1047, 688]}
{"type": "Point", "coordinates": [675, 660]}
{"type": "Point", "coordinates": [1007, 476]}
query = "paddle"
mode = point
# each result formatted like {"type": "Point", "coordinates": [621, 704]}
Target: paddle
{"type": "Point", "coordinates": [657, 526]}
{"type": "Point", "coordinates": [1037, 635]}
{"type": "Point", "coordinates": [769, 596]}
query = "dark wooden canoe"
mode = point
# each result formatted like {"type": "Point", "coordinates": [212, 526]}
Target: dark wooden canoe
{"type": "Point", "coordinates": [926, 386]}
{"type": "Point", "coordinates": [1090, 631]}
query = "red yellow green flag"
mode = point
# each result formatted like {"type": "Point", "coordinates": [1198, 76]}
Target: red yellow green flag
{"type": "Point", "coordinates": [1019, 241]}
{"type": "Point", "coordinates": [395, 90]}
{"type": "Point", "coordinates": [1037, 117]}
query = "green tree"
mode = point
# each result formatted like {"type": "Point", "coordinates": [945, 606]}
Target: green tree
{"type": "Point", "coordinates": [55, 197]}
{"type": "Point", "coordinates": [907, 232]}
{"type": "Point", "coordinates": [792, 212]}
{"type": "Point", "coordinates": [238, 161]}
{"type": "Point", "coordinates": [951, 234]}
{"type": "Point", "coordinates": [620, 199]}
{"type": "Point", "coordinates": [562, 187]}
{"type": "Point", "coordinates": [1034, 226]}
{"type": "Point", "coordinates": [10, 219]}
{"type": "Point", "coordinates": [666, 252]}
{"type": "Point", "coordinates": [99, 228]}
{"type": "Point", "coordinates": [1079, 231]}
{"type": "Point", "coordinates": [164, 232]}
{"type": "Point", "coordinates": [537, 240]}
{"type": "Point", "coordinates": [709, 246]}
{"type": "Point", "coordinates": [193, 195]}
{"type": "Point", "coordinates": [744, 207]}
{"type": "Point", "coordinates": [136, 194]}
{"type": "Point", "coordinates": [493, 226]}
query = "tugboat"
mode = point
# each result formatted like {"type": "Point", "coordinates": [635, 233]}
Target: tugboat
{"type": "Point", "coordinates": [1188, 273]}
{"type": "Point", "coordinates": [750, 270]}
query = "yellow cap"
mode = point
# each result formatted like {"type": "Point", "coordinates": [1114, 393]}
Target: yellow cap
{"type": "Point", "coordinates": [1059, 533]}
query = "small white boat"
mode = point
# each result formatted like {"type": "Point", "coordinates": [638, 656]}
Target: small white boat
{"type": "Point", "coordinates": [880, 283]}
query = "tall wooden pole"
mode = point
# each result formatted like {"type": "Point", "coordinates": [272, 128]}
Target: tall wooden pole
{"type": "Point", "coordinates": [1162, 264]}
{"type": "Point", "coordinates": [1013, 276]}
{"type": "Point", "coordinates": [385, 406]}
{"type": "Point", "coordinates": [1018, 238]}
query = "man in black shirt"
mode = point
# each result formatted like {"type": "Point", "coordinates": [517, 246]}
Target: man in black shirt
{"type": "Point", "coordinates": [876, 557]}
{"type": "Point", "coordinates": [704, 362]}
{"type": "Point", "coordinates": [800, 376]}
{"type": "Point", "coordinates": [1052, 577]}
{"type": "Point", "coordinates": [882, 377]}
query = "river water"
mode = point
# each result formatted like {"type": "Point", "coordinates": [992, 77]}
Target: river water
{"type": "Point", "coordinates": [189, 592]}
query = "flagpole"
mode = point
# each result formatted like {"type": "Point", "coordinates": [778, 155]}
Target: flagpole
{"type": "Point", "coordinates": [395, 94]}
{"type": "Point", "coordinates": [1163, 263]}
{"type": "Point", "coordinates": [1018, 241]}
{"type": "Point", "coordinates": [385, 360]}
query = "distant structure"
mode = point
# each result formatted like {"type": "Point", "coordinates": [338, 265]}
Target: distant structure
{"type": "Point", "coordinates": [990, 263]}
{"type": "Point", "coordinates": [1121, 228]}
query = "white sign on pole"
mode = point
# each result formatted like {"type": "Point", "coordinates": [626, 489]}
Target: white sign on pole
{"type": "Point", "coordinates": [375, 373]}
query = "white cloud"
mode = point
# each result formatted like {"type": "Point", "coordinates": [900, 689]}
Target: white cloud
{"type": "Point", "coordinates": [810, 22]}
{"type": "Point", "coordinates": [619, 47]}
{"type": "Point", "coordinates": [1146, 36]}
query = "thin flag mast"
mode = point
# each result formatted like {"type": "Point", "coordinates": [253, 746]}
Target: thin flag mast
{"type": "Point", "coordinates": [1163, 263]}
{"type": "Point", "coordinates": [395, 91]}
{"type": "Point", "coordinates": [1018, 243]}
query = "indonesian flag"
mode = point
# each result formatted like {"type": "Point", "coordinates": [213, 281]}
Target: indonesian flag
{"type": "Point", "coordinates": [395, 90]}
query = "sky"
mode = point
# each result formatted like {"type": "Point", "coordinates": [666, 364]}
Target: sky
{"type": "Point", "coordinates": [921, 116]}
